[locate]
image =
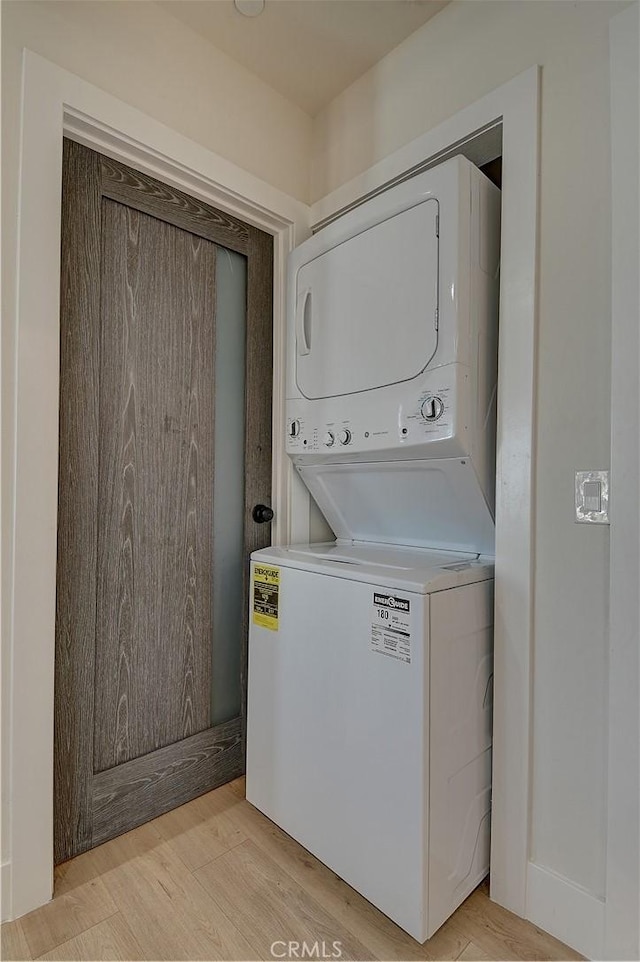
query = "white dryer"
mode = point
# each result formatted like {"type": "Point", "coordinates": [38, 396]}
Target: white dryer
{"type": "Point", "coordinates": [392, 363]}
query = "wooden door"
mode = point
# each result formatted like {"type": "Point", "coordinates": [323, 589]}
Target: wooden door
{"type": "Point", "coordinates": [133, 732]}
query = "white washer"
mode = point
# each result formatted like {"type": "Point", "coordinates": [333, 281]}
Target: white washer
{"type": "Point", "coordinates": [369, 717]}
{"type": "Point", "coordinates": [370, 660]}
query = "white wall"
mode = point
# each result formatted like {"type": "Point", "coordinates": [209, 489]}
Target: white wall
{"type": "Point", "coordinates": [147, 58]}
{"type": "Point", "coordinates": [143, 56]}
{"type": "Point", "coordinates": [467, 50]}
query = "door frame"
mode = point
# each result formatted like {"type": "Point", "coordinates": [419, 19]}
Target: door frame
{"type": "Point", "coordinates": [57, 103]}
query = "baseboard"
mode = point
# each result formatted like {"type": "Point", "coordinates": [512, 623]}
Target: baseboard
{"type": "Point", "coordinates": [5, 892]}
{"type": "Point", "coordinates": [566, 911]}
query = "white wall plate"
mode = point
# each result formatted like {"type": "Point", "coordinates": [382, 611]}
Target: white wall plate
{"type": "Point", "coordinates": [592, 497]}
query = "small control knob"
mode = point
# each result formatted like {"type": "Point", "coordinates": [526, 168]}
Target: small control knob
{"type": "Point", "coordinates": [432, 408]}
{"type": "Point", "coordinates": [294, 428]}
{"type": "Point", "coordinates": [344, 437]}
{"type": "Point", "coordinates": [329, 439]}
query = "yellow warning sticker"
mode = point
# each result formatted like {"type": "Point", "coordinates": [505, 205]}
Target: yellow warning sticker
{"type": "Point", "coordinates": [266, 589]}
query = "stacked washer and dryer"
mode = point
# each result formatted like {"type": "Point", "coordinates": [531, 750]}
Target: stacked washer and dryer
{"type": "Point", "coordinates": [370, 658]}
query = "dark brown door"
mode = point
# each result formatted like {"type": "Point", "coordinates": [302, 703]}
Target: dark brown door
{"type": "Point", "coordinates": [136, 576]}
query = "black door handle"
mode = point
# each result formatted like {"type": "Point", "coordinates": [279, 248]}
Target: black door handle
{"type": "Point", "coordinates": [262, 514]}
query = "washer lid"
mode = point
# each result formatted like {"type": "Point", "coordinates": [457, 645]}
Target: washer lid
{"type": "Point", "coordinates": [437, 504]}
{"type": "Point", "coordinates": [365, 310]}
{"type": "Point", "coordinates": [418, 570]}
{"type": "Point", "coordinates": [397, 556]}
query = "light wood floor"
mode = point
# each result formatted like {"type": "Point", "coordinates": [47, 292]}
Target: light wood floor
{"type": "Point", "coordinates": [215, 879]}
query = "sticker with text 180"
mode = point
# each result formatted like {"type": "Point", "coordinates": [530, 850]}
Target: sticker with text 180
{"type": "Point", "coordinates": [391, 626]}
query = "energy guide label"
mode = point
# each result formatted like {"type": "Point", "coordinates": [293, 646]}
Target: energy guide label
{"type": "Point", "coordinates": [266, 592]}
{"type": "Point", "coordinates": [391, 626]}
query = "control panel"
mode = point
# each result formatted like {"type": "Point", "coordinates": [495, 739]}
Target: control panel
{"type": "Point", "coordinates": [404, 424]}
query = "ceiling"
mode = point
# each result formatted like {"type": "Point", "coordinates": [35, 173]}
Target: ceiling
{"type": "Point", "coordinates": [308, 50]}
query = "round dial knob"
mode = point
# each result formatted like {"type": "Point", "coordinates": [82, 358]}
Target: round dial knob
{"type": "Point", "coordinates": [329, 439]}
{"type": "Point", "coordinates": [432, 408]}
{"type": "Point", "coordinates": [294, 428]}
{"type": "Point", "coordinates": [344, 437]}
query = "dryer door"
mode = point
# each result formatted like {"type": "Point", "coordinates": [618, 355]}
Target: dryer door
{"type": "Point", "coordinates": [366, 310]}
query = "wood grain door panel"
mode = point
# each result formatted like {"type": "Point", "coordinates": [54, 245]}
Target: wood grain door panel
{"type": "Point", "coordinates": [155, 486]}
{"type": "Point", "coordinates": [133, 733]}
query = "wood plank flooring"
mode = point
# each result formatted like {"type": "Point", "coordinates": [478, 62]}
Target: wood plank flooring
{"type": "Point", "coordinates": [216, 880]}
